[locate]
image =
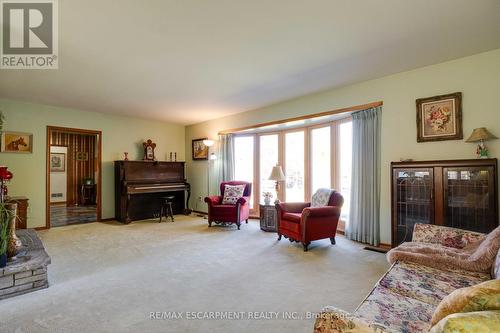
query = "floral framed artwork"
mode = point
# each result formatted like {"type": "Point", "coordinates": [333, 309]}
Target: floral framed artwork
{"type": "Point", "coordinates": [200, 151]}
{"type": "Point", "coordinates": [439, 118]}
{"type": "Point", "coordinates": [57, 162]}
{"type": "Point", "coordinates": [16, 142]}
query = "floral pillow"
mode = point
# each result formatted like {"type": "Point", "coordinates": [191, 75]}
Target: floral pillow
{"type": "Point", "coordinates": [481, 321]}
{"type": "Point", "coordinates": [481, 297]}
{"type": "Point", "coordinates": [232, 193]}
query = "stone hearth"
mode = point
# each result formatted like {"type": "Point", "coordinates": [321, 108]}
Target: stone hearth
{"type": "Point", "coordinates": [27, 271]}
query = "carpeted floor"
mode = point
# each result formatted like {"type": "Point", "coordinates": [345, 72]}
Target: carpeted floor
{"type": "Point", "coordinates": [108, 277]}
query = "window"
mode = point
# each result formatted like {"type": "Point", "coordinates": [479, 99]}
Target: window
{"type": "Point", "coordinates": [312, 157]}
{"type": "Point", "coordinates": [268, 158]}
{"type": "Point", "coordinates": [294, 166]}
{"type": "Point", "coordinates": [243, 160]}
{"type": "Point", "coordinates": [345, 159]}
{"type": "Point", "coordinates": [320, 158]}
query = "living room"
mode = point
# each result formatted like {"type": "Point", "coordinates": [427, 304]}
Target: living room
{"type": "Point", "coordinates": [364, 158]}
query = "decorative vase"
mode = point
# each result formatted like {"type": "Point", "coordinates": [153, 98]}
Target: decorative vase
{"type": "Point", "coordinates": [13, 242]}
{"type": "Point", "coordinates": [267, 201]}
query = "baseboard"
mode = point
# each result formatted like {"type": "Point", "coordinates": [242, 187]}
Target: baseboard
{"type": "Point", "coordinates": [107, 219]}
{"type": "Point", "coordinates": [40, 228]}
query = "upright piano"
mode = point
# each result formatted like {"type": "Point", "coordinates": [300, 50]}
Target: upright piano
{"type": "Point", "coordinates": [139, 186]}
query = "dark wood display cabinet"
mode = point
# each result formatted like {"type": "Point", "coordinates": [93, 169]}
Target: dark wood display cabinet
{"type": "Point", "coordinates": [455, 193]}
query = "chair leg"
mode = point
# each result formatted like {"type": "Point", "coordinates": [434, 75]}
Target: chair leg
{"type": "Point", "coordinates": [246, 221]}
{"type": "Point", "coordinates": [279, 237]}
{"type": "Point", "coordinates": [332, 240]}
{"type": "Point", "coordinates": [161, 213]}
{"type": "Point", "coordinates": [238, 224]}
{"type": "Point", "coordinates": [209, 224]}
{"type": "Point", "coordinates": [306, 246]}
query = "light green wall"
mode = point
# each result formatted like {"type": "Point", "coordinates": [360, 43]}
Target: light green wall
{"type": "Point", "coordinates": [119, 134]}
{"type": "Point", "coordinates": [477, 77]}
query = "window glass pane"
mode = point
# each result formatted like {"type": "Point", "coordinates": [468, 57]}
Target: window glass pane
{"type": "Point", "coordinates": [294, 163]}
{"type": "Point", "coordinates": [267, 159]}
{"type": "Point", "coordinates": [243, 160]}
{"type": "Point", "coordinates": [320, 158]}
{"type": "Point", "coordinates": [345, 147]}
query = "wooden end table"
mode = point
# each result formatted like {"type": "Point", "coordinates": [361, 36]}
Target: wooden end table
{"type": "Point", "coordinates": [268, 218]}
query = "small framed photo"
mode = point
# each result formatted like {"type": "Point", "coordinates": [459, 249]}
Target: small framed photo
{"type": "Point", "coordinates": [57, 162]}
{"type": "Point", "coordinates": [16, 142]}
{"type": "Point", "coordinates": [200, 151]}
{"type": "Point", "coordinates": [82, 156]}
{"type": "Point", "coordinates": [439, 118]}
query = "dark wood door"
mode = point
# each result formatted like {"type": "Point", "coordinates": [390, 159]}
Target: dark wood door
{"type": "Point", "coordinates": [413, 201]}
{"type": "Point", "coordinates": [469, 198]}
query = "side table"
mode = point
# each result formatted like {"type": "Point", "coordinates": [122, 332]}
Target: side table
{"type": "Point", "coordinates": [268, 218]}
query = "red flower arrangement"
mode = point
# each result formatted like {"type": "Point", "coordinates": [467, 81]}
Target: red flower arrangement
{"type": "Point", "coordinates": [5, 175]}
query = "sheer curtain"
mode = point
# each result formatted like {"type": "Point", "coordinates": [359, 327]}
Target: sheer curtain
{"type": "Point", "coordinates": [364, 218]}
{"type": "Point", "coordinates": [223, 169]}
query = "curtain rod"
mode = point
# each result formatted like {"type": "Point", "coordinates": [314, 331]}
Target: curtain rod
{"type": "Point", "coordinates": [309, 116]}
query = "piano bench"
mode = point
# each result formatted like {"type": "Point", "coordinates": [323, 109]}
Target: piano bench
{"type": "Point", "coordinates": [166, 208]}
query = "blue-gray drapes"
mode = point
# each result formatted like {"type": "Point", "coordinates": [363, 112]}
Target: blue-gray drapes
{"type": "Point", "coordinates": [224, 162]}
{"type": "Point", "coordinates": [364, 216]}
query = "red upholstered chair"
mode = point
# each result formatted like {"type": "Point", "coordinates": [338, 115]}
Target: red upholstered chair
{"type": "Point", "coordinates": [219, 213]}
{"type": "Point", "coordinates": [299, 222]}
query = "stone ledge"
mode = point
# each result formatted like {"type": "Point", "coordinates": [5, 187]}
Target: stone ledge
{"type": "Point", "coordinates": [27, 271]}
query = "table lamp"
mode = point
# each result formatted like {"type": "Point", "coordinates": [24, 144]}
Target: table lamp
{"type": "Point", "coordinates": [278, 176]}
{"type": "Point", "coordinates": [481, 135]}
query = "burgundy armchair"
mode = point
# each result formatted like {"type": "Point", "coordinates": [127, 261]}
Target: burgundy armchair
{"type": "Point", "coordinates": [219, 213]}
{"type": "Point", "coordinates": [299, 222]}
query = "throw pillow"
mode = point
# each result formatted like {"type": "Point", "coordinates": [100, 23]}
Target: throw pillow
{"type": "Point", "coordinates": [495, 268]}
{"type": "Point", "coordinates": [232, 193]}
{"type": "Point", "coordinates": [321, 197]}
{"type": "Point", "coordinates": [481, 297]}
{"type": "Point", "coordinates": [482, 321]}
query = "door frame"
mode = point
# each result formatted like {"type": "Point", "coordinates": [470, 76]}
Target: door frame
{"type": "Point", "coordinates": [50, 130]}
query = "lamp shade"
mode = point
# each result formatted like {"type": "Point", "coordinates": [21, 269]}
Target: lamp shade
{"type": "Point", "coordinates": [277, 174]}
{"type": "Point", "coordinates": [479, 134]}
{"type": "Point", "coordinates": [208, 143]}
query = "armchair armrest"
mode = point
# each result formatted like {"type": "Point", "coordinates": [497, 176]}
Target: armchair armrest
{"type": "Point", "coordinates": [321, 211]}
{"type": "Point", "coordinates": [446, 236]}
{"type": "Point", "coordinates": [292, 207]}
{"type": "Point", "coordinates": [243, 200]}
{"type": "Point", "coordinates": [333, 320]}
{"type": "Point", "coordinates": [213, 200]}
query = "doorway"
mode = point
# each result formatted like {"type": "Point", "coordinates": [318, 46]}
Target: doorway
{"type": "Point", "coordinates": [73, 171]}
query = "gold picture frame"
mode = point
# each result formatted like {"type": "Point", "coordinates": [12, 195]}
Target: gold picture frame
{"type": "Point", "coordinates": [439, 118]}
{"type": "Point", "coordinates": [16, 142]}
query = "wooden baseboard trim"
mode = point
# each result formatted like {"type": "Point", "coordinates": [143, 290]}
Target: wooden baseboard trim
{"type": "Point", "coordinates": [107, 219]}
{"type": "Point", "coordinates": [199, 212]}
{"type": "Point", "coordinates": [40, 228]}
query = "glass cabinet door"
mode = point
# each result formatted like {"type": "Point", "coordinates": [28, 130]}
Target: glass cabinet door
{"type": "Point", "coordinates": [413, 196]}
{"type": "Point", "coordinates": [469, 198]}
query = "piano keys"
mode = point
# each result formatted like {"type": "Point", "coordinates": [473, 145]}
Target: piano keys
{"type": "Point", "coordinates": [139, 185]}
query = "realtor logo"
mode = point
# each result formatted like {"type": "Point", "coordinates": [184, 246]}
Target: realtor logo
{"type": "Point", "coordinates": [29, 34]}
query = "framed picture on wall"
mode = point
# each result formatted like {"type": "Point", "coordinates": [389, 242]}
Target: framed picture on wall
{"type": "Point", "coordinates": [16, 142]}
{"type": "Point", "coordinates": [57, 162]}
{"type": "Point", "coordinates": [200, 151]}
{"type": "Point", "coordinates": [82, 156]}
{"type": "Point", "coordinates": [439, 118]}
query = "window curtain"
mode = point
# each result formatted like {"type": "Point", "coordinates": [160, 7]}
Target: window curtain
{"type": "Point", "coordinates": [364, 216]}
{"type": "Point", "coordinates": [224, 163]}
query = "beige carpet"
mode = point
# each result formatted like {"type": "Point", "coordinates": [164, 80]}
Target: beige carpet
{"type": "Point", "coordinates": [108, 277]}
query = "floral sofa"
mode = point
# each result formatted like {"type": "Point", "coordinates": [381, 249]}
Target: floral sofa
{"type": "Point", "coordinates": [405, 298]}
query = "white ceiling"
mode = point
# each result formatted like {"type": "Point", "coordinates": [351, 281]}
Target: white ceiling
{"type": "Point", "coordinates": [188, 61]}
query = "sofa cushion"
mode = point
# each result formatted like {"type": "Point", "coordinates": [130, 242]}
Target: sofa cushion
{"type": "Point", "coordinates": [395, 311]}
{"type": "Point", "coordinates": [427, 284]}
{"type": "Point", "coordinates": [481, 297]}
{"type": "Point", "coordinates": [293, 217]}
{"type": "Point", "coordinates": [292, 226]}
{"type": "Point", "coordinates": [481, 321]}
